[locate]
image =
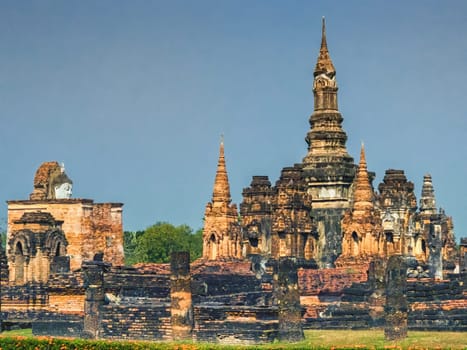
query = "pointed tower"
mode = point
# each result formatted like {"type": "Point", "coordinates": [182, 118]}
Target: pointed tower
{"type": "Point", "coordinates": [434, 240]}
{"type": "Point", "coordinates": [363, 192]}
{"type": "Point", "coordinates": [361, 225]}
{"type": "Point", "coordinates": [221, 233]}
{"type": "Point", "coordinates": [326, 138]}
{"type": "Point", "coordinates": [427, 201]}
{"type": "Point", "coordinates": [328, 168]}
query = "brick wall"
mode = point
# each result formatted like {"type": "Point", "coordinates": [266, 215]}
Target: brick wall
{"type": "Point", "coordinates": [147, 319]}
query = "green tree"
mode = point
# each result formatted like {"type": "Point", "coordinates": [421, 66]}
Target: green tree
{"type": "Point", "coordinates": [3, 225]}
{"type": "Point", "coordinates": [3, 240]}
{"type": "Point", "coordinates": [130, 242]}
{"type": "Point", "coordinates": [196, 244]}
{"type": "Point", "coordinates": [158, 242]}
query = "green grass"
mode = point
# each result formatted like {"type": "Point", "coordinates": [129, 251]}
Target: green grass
{"type": "Point", "coordinates": [26, 332]}
{"type": "Point", "coordinates": [375, 339]}
{"type": "Point", "coordinates": [314, 339]}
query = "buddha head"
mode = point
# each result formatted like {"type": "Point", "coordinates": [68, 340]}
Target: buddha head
{"type": "Point", "coordinates": [60, 184]}
{"type": "Point", "coordinates": [63, 191]}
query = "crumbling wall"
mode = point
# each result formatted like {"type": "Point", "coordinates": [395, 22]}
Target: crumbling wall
{"type": "Point", "coordinates": [66, 293]}
{"type": "Point", "coordinates": [105, 232]}
{"type": "Point", "coordinates": [136, 318]}
{"type": "Point", "coordinates": [432, 305]}
{"type": "Point", "coordinates": [327, 282]}
{"type": "Point", "coordinates": [235, 324]}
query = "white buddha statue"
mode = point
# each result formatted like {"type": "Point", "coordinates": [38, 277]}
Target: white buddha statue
{"type": "Point", "coordinates": [63, 191]}
{"type": "Point", "coordinates": [62, 185]}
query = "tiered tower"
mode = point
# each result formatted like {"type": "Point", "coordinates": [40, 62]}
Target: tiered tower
{"type": "Point", "coordinates": [433, 236]}
{"type": "Point", "coordinates": [398, 206]}
{"type": "Point", "coordinates": [328, 169]}
{"type": "Point", "coordinates": [221, 233]}
{"type": "Point", "coordinates": [292, 227]}
{"type": "Point", "coordinates": [428, 201]}
{"type": "Point", "coordinates": [256, 211]}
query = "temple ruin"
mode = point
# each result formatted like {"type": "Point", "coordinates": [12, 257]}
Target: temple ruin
{"type": "Point", "coordinates": [88, 227]}
{"type": "Point", "coordinates": [320, 248]}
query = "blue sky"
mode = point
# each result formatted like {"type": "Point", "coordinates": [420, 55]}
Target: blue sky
{"type": "Point", "coordinates": [133, 95]}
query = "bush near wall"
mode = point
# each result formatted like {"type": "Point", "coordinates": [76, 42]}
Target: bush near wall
{"type": "Point", "coordinates": [64, 344]}
{"type": "Point", "coordinates": [39, 343]}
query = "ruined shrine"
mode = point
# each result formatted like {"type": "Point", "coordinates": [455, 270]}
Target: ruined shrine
{"type": "Point", "coordinates": [320, 248]}
{"type": "Point", "coordinates": [88, 227]}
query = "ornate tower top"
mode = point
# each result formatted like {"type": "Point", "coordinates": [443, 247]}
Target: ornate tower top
{"type": "Point", "coordinates": [427, 200]}
{"type": "Point", "coordinates": [326, 138]}
{"type": "Point", "coordinates": [324, 64]}
{"type": "Point", "coordinates": [396, 192]}
{"type": "Point", "coordinates": [363, 194]}
{"type": "Point", "coordinates": [221, 191]}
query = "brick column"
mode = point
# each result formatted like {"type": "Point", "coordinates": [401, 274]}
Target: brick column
{"type": "Point", "coordinates": [396, 299]}
{"type": "Point", "coordinates": [181, 309]}
{"type": "Point", "coordinates": [288, 301]}
{"type": "Point", "coordinates": [94, 297]}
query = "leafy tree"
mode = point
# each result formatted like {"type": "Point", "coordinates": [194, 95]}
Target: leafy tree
{"type": "Point", "coordinates": [3, 225]}
{"type": "Point", "coordinates": [157, 243]}
{"type": "Point", "coordinates": [130, 242]}
{"type": "Point", "coordinates": [196, 244]}
{"type": "Point", "coordinates": [3, 239]}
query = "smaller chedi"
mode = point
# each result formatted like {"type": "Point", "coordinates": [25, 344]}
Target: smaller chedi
{"type": "Point", "coordinates": [221, 233]}
{"type": "Point", "coordinates": [88, 228]}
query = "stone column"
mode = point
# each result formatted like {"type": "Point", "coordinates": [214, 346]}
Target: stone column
{"type": "Point", "coordinates": [396, 299]}
{"type": "Point", "coordinates": [181, 309]}
{"type": "Point", "coordinates": [435, 258]}
{"type": "Point", "coordinates": [94, 297]}
{"type": "Point", "coordinates": [377, 273]}
{"type": "Point", "coordinates": [463, 256]}
{"type": "Point", "coordinates": [288, 301]}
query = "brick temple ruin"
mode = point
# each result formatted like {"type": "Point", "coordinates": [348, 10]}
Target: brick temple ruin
{"type": "Point", "coordinates": [321, 249]}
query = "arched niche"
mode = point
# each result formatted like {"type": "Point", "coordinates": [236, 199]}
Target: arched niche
{"type": "Point", "coordinates": [355, 244]}
{"type": "Point", "coordinates": [19, 263]}
{"type": "Point", "coordinates": [213, 246]}
{"type": "Point", "coordinates": [55, 246]}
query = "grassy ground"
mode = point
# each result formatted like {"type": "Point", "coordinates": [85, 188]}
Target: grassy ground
{"type": "Point", "coordinates": [27, 332]}
{"type": "Point", "coordinates": [375, 339]}
{"type": "Point", "coordinates": [330, 339]}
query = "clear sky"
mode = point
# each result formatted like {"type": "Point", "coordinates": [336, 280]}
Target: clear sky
{"type": "Point", "coordinates": [133, 95]}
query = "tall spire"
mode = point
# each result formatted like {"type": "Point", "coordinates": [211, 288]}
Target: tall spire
{"type": "Point", "coordinates": [363, 194]}
{"type": "Point", "coordinates": [427, 200]}
{"type": "Point", "coordinates": [221, 191]}
{"type": "Point", "coordinates": [326, 138]}
{"type": "Point", "coordinates": [324, 64]}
